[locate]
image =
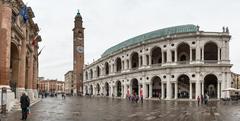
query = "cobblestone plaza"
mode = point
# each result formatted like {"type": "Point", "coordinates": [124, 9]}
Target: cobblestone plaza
{"type": "Point", "coordinates": [108, 109]}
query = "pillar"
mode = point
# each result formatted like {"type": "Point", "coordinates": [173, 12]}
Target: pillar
{"type": "Point", "coordinates": [219, 54]}
{"type": "Point", "coordinates": [203, 87]}
{"type": "Point", "coordinates": [162, 91]}
{"type": "Point", "coordinates": [144, 59]}
{"type": "Point", "coordinates": [144, 90]}
{"type": "Point", "coordinates": [169, 57]}
{"type": "Point", "coordinates": [150, 90]}
{"type": "Point", "coordinates": [218, 90]}
{"type": "Point", "coordinates": [169, 88]}
{"type": "Point", "coordinates": [176, 55]}
{"type": "Point", "coordinates": [125, 91]}
{"type": "Point", "coordinates": [198, 87]}
{"type": "Point", "coordinates": [223, 85]}
{"type": "Point", "coordinates": [176, 90]}
{"type": "Point", "coordinates": [5, 43]}
{"type": "Point", "coordinates": [190, 96]}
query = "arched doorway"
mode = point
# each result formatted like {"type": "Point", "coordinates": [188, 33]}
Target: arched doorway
{"type": "Point", "coordinates": [183, 52]}
{"type": "Point", "coordinates": [91, 73]}
{"type": "Point", "coordinates": [156, 55]}
{"type": "Point", "coordinates": [210, 85]}
{"type": "Point", "coordinates": [183, 86]}
{"type": "Point", "coordinates": [134, 60]}
{"type": "Point", "coordinates": [134, 84]}
{"type": "Point", "coordinates": [14, 67]}
{"type": "Point", "coordinates": [106, 68]}
{"type": "Point", "coordinates": [107, 89]}
{"type": "Point", "coordinates": [98, 89]}
{"type": "Point", "coordinates": [86, 75]}
{"type": "Point", "coordinates": [91, 89]}
{"type": "Point", "coordinates": [98, 71]}
{"type": "Point", "coordinates": [119, 89]}
{"type": "Point", "coordinates": [156, 86]}
{"type": "Point", "coordinates": [118, 64]}
{"type": "Point", "coordinates": [86, 90]}
{"type": "Point", "coordinates": [211, 52]}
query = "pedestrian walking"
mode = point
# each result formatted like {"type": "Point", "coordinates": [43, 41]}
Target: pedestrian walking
{"type": "Point", "coordinates": [198, 100]}
{"type": "Point", "coordinates": [141, 94]}
{"type": "Point", "coordinates": [63, 96]}
{"type": "Point", "coordinates": [25, 103]}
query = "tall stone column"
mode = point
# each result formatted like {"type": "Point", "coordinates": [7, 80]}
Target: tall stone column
{"type": "Point", "coordinates": [176, 90]}
{"type": "Point", "coordinates": [144, 90]}
{"type": "Point", "coordinates": [5, 43]}
{"type": "Point", "coordinates": [144, 60]}
{"type": "Point", "coordinates": [223, 85]}
{"type": "Point", "coordinates": [169, 88]}
{"type": "Point", "coordinates": [125, 91]}
{"type": "Point", "coordinates": [198, 87]}
{"type": "Point", "coordinates": [162, 91]}
{"type": "Point", "coordinates": [190, 97]}
{"type": "Point", "coordinates": [30, 77]}
{"type": "Point", "coordinates": [203, 87]}
{"type": "Point", "coordinates": [218, 90]}
{"type": "Point", "coordinates": [150, 90]}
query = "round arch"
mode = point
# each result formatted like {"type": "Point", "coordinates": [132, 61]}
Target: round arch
{"type": "Point", "coordinates": [98, 71]}
{"type": "Point", "coordinates": [211, 51]}
{"type": "Point", "coordinates": [134, 86]}
{"type": "Point", "coordinates": [134, 60]}
{"type": "Point", "coordinates": [183, 52]}
{"type": "Point", "coordinates": [107, 88]}
{"type": "Point", "coordinates": [119, 88]}
{"type": "Point", "coordinates": [156, 86]}
{"type": "Point", "coordinates": [210, 85]}
{"type": "Point", "coordinates": [183, 82]}
{"type": "Point", "coordinates": [156, 54]}
{"type": "Point", "coordinates": [106, 65]}
{"type": "Point", "coordinates": [118, 63]}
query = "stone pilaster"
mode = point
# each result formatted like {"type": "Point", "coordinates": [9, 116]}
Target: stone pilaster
{"type": "Point", "coordinates": [5, 43]}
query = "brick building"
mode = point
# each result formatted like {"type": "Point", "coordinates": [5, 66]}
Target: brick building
{"type": "Point", "coordinates": [51, 86]}
{"type": "Point", "coordinates": [18, 50]}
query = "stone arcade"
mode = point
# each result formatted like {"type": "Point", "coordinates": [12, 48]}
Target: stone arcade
{"type": "Point", "coordinates": [178, 62]}
{"type": "Point", "coordinates": [18, 51]}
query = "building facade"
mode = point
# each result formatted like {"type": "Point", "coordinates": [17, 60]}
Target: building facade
{"type": "Point", "coordinates": [178, 62]}
{"type": "Point", "coordinates": [69, 82]}
{"type": "Point", "coordinates": [51, 86]}
{"type": "Point", "coordinates": [78, 54]}
{"type": "Point", "coordinates": [236, 80]}
{"type": "Point", "coordinates": [18, 50]}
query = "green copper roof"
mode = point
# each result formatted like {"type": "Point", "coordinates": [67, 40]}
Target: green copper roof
{"type": "Point", "coordinates": [151, 35]}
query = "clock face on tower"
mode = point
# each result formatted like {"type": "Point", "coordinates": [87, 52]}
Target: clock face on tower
{"type": "Point", "coordinates": [79, 49]}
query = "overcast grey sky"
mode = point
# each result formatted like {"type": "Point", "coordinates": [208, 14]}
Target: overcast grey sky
{"type": "Point", "coordinates": [109, 22]}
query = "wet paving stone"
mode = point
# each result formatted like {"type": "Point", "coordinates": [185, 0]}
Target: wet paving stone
{"type": "Point", "coordinates": [107, 109]}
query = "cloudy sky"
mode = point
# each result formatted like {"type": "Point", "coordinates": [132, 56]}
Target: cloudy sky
{"type": "Point", "coordinates": [108, 22]}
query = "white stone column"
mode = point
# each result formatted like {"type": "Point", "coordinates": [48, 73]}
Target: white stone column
{"type": "Point", "coordinates": [169, 57]}
{"type": "Point", "coordinates": [144, 60]}
{"type": "Point", "coordinates": [150, 90]}
{"type": "Point", "coordinates": [203, 87]}
{"type": "Point", "coordinates": [144, 90]}
{"type": "Point", "coordinates": [229, 79]}
{"type": "Point", "coordinates": [150, 59]}
{"type": "Point", "coordinates": [176, 55]}
{"type": "Point", "coordinates": [190, 97]}
{"type": "Point", "coordinates": [198, 87]}
{"type": "Point", "coordinates": [190, 55]}
{"type": "Point", "coordinates": [219, 54]}
{"type": "Point", "coordinates": [111, 92]}
{"type": "Point", "coordinates": [163, 57]}
{"type": "Point", "coordinates": [162, 90]}
{"type": "Point", "coordinates": [223, 85]}
{"type": "Point", "coordinates": [176, 90]}
{"type": "Point", "coordinates": [218, 90]}
{"type": "Point", "coordinates": [203, 54]}
{"type": "Point", "coordinates": [169, 88]}
{"type": "Point", "coordinates": [125, 91]}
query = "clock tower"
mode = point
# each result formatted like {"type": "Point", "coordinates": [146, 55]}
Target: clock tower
{"type": "Point", "coordinates": [78, 54]}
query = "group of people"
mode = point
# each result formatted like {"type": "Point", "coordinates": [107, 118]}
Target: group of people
{"type": "Point", "coordinates": [203, 99]}
{"type": "Point", "coordinates": [135, 97]}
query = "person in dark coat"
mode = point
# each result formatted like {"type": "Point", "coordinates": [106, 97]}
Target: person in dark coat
{"type": "Point", "coordinates": [25, 103]}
